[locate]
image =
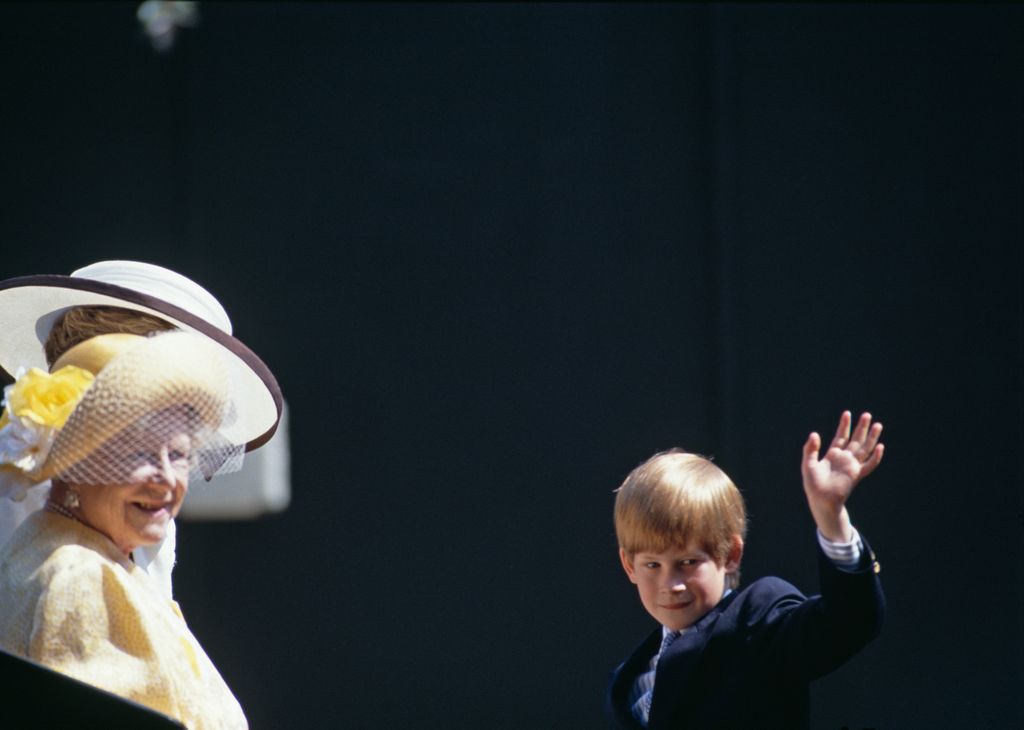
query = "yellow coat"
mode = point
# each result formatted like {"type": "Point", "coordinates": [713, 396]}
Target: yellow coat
{"type": "Point", "coordinates": [71, 600]}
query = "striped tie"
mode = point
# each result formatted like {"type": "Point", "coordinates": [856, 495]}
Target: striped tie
{"type": "Point", "coordinates": [643, 687]}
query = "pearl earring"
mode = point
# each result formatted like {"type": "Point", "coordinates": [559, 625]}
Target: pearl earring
{"type": "Point", "coordinates": [71, 500]}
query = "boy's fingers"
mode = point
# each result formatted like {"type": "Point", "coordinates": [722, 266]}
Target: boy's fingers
{"type": "Point", "coordinates": [811, 447]}
{"type": "Point", "coordinates": [873, 435]}
{"type": "Point", "coordinates": [860, 433]}
{"type": "Point", "coordinates": [876, 457]}
{"type": "Point", "coordinates": [810, 457]}
{"type": "Point", "coordinates": [842, 430]}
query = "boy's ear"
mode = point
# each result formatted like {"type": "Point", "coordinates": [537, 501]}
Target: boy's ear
{"type": "Point", "coordinates": [732, 561]}
{"type": "Point", "coordinates": [627, 565]}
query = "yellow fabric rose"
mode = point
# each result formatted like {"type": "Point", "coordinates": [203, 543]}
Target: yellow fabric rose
{"type": "Point", "coordinates": [48, 399]}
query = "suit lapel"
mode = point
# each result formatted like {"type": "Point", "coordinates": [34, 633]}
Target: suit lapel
{"type": "Point", "coordinates": [622, 681]}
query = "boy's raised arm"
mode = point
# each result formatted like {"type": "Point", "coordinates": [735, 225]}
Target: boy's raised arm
{"type": "Point", "coordinates": [829, 481]}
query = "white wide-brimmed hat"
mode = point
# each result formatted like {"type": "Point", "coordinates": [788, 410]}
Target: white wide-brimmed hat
{"type": "Point", "coordinates": [29, 306]}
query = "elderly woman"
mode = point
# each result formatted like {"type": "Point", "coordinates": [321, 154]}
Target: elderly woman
{"type": "Point", "coordinates": [41, 317]}
{"type": "Point", "coordinates": [119, 426]}
{"type": "Point", "coordinates": [142, 414]}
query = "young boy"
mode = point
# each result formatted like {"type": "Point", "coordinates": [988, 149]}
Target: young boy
{"type": "Point", "coordinates": [725, 657]}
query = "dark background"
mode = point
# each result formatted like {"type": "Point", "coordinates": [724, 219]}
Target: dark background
{"type": "Point", "coordinates": [497, 254]}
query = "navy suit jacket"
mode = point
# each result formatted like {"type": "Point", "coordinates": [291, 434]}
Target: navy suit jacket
{"type": "Point", "coordinates": [748, 662]}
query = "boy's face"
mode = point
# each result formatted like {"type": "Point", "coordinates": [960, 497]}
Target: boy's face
{"type": "Point", "coordinates": [680, 585]}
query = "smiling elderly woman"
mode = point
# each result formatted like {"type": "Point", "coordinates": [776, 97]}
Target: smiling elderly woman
{"type": "Point", "coordinates": [118, 425]}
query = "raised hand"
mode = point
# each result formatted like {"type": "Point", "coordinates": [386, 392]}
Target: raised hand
{"type": "Point", "coordinates": [829, 481]}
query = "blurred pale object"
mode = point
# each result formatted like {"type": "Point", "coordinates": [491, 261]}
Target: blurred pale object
{"type": "Point", "coordinates": [161, 20]}
{"type": "Point", "coordinates": [262, 486]}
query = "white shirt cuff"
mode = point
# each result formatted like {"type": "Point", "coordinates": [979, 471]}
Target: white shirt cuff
{"type": "Point", "coordinates": [843, 554]}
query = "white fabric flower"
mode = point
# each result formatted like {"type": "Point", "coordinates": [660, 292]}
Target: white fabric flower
{"type": "Point", "coordinates": [25, 444]}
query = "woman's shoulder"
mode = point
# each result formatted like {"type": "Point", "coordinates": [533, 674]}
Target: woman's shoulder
{"type": "Point", "coordinates": [74, 563]}
{"type": "Point", "coordinates": [52, 551]}
{"type": "Point", "coordinates": [50, 584]}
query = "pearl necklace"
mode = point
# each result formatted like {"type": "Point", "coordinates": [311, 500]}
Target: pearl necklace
{"type": "Point", "coordinates": [52, 506]}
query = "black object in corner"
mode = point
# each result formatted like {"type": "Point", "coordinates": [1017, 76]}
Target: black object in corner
{"type": "Point", "coordinates": [47, 698]}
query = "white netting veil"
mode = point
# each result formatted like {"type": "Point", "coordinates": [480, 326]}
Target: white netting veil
{"type": "Point", "coordinates": [164, 404]}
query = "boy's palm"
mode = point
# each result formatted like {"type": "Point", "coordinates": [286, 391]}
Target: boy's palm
{"type": "Point", "coordinates": [847, 461]}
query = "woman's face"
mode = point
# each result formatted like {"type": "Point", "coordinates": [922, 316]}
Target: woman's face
{"type": "Point", "coordinates": [136, 510]}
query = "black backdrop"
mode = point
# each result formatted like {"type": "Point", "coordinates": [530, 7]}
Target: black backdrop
{"type": "Point", "coordinates": [497, 255]}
